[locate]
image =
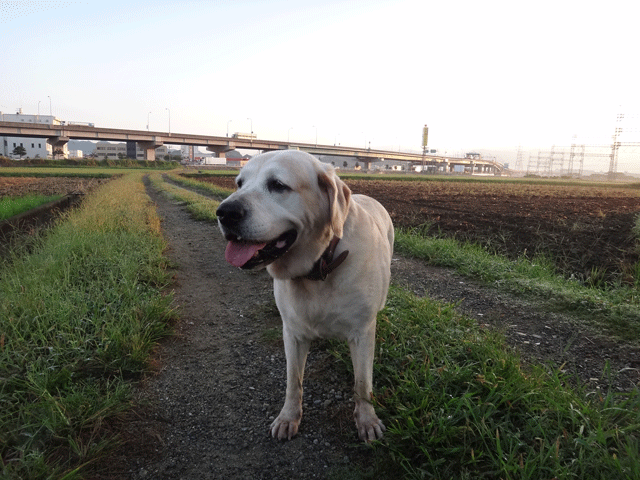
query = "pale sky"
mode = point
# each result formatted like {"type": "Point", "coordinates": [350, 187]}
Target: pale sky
{"type": "Point", "coordinates": [481, 74]}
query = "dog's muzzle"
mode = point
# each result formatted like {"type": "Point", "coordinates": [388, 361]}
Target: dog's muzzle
{"type": "Point", "coordinates": [249, 253]}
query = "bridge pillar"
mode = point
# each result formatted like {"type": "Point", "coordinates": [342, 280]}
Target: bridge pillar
{"type": "Point", "coordinates": [150, 148]}
{"type": "Point", "coordinates": [58, 143]}
{"type": "Point", "coordinates": [221, 150]}
{"type": "Point", "coordinates": [365, 161]}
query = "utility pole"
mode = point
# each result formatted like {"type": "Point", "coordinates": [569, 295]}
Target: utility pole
{"type": "Point", "coordinates": [613, 162]}
{"type": "Point", "coordinates": [519, 165]}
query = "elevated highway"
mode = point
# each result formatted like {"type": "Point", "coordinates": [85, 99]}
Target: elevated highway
{"type": "Point", "coordinates": [58, 135]}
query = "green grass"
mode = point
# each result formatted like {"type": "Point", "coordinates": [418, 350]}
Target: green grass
{"type": "Point", "coordinates": [458, 404]}
{"type": "Point", "coordinates": [78, 318]}
{"type": "Point", "coordinates": [205, 188]}
{"type": "Point", "coordinates": [617, 310]}
{"type": "Point", "coordinates": [10, 206]}
{"type": "Point", "coordinates": [199, 206]}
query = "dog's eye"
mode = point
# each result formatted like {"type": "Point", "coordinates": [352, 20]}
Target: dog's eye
{"type": "Point", "coordinates": [239, 183]}
{"type": "Point", "coordinates": [277, 186]}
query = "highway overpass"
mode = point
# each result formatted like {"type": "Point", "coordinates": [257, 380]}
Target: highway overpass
{"type": "Point", "coordinates": [58, 135]}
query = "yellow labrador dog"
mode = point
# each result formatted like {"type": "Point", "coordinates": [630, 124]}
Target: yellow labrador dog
{"type": "Point", "coordinates": [329, 253]}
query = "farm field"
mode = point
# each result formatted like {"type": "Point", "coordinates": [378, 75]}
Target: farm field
{"type": "Point", "coordinates": [13, 232]}
{"type": "Point", "coordinates": [587, 231]}
{"type": "Point", "coordinates": [12, 206]}
{"type": "Point", "coordinates": [493, 415]}
{"type": "Point", "coordinates": [19, 186]}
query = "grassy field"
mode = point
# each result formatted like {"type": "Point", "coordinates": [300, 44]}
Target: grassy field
{"type": "Point", "coordinates": [459, 404]}
{"type": "Point", "coordinates": [80, 315]}
{"type": "Point", "coordinates": [14, 206]}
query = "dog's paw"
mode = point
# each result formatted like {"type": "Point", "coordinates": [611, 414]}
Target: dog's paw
{"type": "Point", "coordinates": [284, 428]}
{"type": "Point", "coordinates": [370, 427]}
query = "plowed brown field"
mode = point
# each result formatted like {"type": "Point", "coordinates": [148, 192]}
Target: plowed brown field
{"type": "Point", "coordinates": [586, 230]}
{"type": "Point", "coordinates": [19, 186]}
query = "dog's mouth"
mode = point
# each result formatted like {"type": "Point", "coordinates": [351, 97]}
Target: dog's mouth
{"type": "Point", "coordinates": [246, 254]}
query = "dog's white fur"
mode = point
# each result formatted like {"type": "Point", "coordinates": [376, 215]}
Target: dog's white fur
{"type": "Point", "coordinates": [319, 205]}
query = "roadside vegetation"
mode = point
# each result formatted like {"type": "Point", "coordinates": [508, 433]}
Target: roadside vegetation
{"type": "Point", "coordinates": [458, 404]}
{"type": "Point", "coordinates": [86, 162]}
{"type": "Point", "coordinates": [615, 310]}
{"type": "Point", "coordinates": [78, 319]}
{"type": "Point", "coordinates": [80, 315]}
{"type": "Point", "coordinates": [199, 206]}
{"type": "Point", "coordinates": [10, 206]}
{"type": "Point", "coordinates": [206, 189]}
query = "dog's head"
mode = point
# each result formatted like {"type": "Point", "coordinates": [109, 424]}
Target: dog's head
{"type": "Point", "coordinates": [287, 208]}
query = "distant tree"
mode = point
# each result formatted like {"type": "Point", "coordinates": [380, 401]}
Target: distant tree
{"type": "Point", "coordinates": [20, 151]}
{"type": "Point", "coordinates": [58, 152]}
{"type": "Point", "coordinates": [344, 164]}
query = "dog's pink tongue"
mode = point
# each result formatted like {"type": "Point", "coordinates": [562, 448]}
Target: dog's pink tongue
{"type": "Point", "coordinates": [239, 253]}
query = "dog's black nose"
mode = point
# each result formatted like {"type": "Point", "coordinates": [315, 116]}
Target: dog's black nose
{"type": "Point", "coordinates": [230, 213]}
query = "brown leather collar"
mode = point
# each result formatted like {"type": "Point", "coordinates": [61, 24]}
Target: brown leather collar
{"type": "Point", "coordinates": [326, 263]}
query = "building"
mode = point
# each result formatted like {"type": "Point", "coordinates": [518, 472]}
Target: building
{"type": "Point", "coordinates": [186, 151]}
{"type": "Point", "coordinates": [115, 151]}
{"type": "Point", "coordinates": [232, 158]}
{"type": "Point", "coordinates": [34, 147]}
{"type": "Point", "coordinates": [352, 163]}
{"type": "Point", "coordinates": [236, 162]}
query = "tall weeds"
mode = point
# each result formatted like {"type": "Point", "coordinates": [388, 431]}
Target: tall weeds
{"type": "Point", "coordinates": [78, 316]}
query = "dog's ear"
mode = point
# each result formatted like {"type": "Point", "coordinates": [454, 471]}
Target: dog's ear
{"type": "Point", "coordinates": [339, 197]}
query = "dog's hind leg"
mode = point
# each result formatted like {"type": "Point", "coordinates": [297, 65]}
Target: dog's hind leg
{"type": "Point", "coordinates": [362, 348]}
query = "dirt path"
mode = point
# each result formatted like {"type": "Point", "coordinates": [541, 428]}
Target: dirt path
{"type": "Point", "coordinates": [220, 381]}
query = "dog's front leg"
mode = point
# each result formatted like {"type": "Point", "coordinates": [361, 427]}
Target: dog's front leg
{"type": "Point", "coordinates": [362, 347]}
{"type": "Point", "coordinates": [286, 425]}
